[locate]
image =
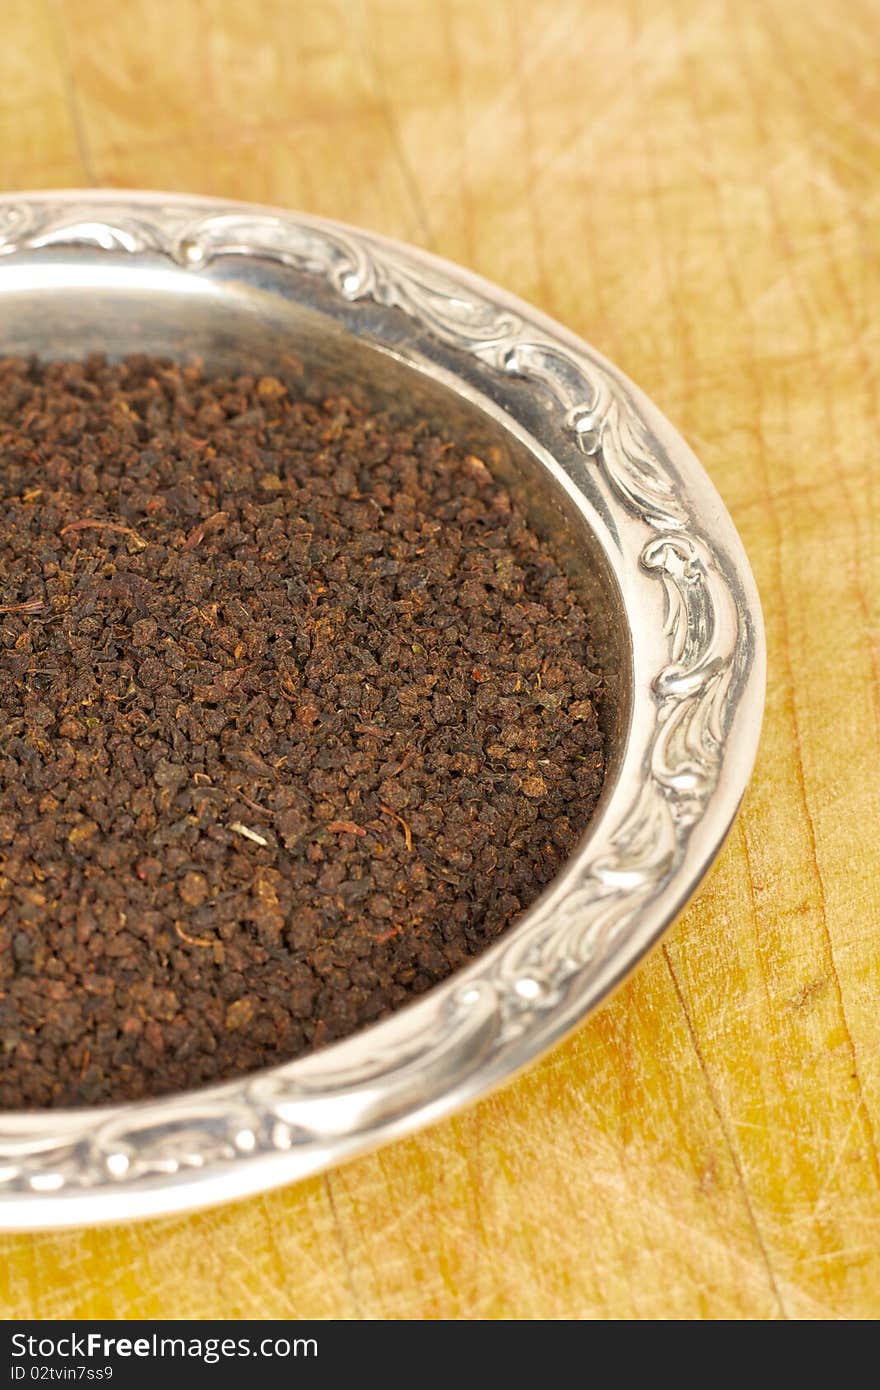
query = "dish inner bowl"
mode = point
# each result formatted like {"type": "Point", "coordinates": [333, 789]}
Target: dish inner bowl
{"type": "Point", "coordinates": [54, 309]}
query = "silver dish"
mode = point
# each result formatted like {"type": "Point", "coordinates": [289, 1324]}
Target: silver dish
{"type": "Point", "coordinates": [630, 513]}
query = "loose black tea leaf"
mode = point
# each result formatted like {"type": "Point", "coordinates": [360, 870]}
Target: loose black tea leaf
{"type": "Point", "coordinates": [298, 714]}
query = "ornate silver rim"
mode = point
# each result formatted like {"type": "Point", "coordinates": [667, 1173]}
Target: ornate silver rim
{"type": "Point", "coordinates": [698, 656]}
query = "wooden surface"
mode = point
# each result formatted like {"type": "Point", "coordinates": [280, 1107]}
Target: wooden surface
{"type": "Point", "coordinates": [692, 185]}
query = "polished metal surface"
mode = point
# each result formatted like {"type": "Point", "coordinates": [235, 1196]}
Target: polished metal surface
{"type": "Point", "coordinates": [630, 513]}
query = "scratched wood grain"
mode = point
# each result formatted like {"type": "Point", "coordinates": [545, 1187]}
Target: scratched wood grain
{"type": "Point", "coordinates": [693, 185]}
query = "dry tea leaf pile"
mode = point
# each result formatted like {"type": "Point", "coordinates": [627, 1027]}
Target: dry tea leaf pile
{"type": "Point", "coordinates": [297, 716]}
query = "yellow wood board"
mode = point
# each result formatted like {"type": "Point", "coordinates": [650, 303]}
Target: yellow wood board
{"type": "Point", "coordinates": [694, 186]}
